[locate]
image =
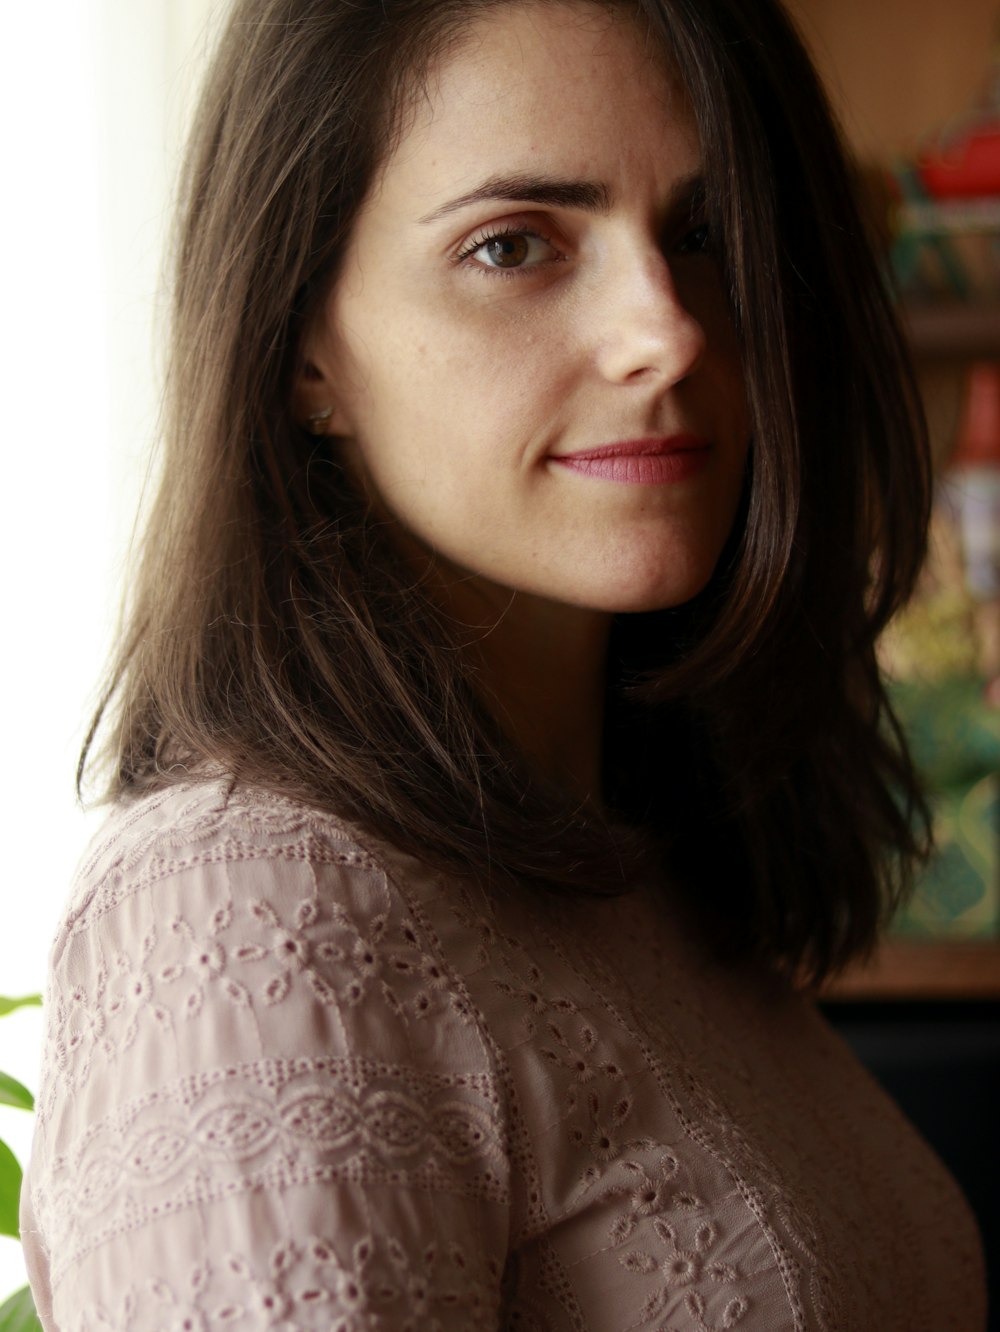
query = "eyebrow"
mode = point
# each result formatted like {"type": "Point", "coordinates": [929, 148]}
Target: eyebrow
{"type": "Point", "coordinates": [592, 196]}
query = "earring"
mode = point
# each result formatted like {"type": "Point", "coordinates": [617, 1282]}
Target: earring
{"type": "Point", "coordinates": [315, 423]}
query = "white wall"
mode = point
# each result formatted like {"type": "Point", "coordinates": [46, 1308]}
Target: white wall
{"type": "Point", "coordinates": [94, 96]}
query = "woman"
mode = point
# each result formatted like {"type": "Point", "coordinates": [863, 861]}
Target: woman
{"type": "Point", "coordinates": [499, 747]}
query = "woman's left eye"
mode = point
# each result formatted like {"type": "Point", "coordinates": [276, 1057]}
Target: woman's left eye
{"type": "Point", "coordinates": [508, 251]}
{"type": "Point", "coordinates": [698, 240]}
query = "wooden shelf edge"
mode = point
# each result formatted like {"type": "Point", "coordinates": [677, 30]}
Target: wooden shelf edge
{"type": "Point", "coordinates": [914, 970]}
{"type": "Point", "coordinates": [953, 329]}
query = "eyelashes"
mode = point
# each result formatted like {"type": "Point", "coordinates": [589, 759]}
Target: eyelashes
{"type": "Point", "coordinates": [699, 240]}
{"type": "Point", "coordinates": [517, 250]}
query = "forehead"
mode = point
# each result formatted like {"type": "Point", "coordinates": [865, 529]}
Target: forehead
{"type": "Point", "coordinates": [526, 82]}
{"type": "Point", "coordinates": [564, 43]}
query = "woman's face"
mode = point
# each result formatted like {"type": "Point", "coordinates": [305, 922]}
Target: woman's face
{"type": "Point", "coordinates": [528, 352]}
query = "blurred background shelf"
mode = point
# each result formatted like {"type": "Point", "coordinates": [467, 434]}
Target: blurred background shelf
{"type": "Point", "coordinates": [918, 971]}
{"type": "Point", "coordinates": [924, 1018]}
{"type": "Point", "coordinates": [953, 330]}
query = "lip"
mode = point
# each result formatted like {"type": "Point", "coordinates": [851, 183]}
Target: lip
{"type": "Point", "coordinates": [653, 461]}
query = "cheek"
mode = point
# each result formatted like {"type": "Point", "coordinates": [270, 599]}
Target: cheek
{"type": "Point", "coordinates": [462, 402]}
{"type": "Point", "coordinates": [479, 350]}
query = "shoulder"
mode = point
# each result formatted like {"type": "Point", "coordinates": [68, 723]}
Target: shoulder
{"type": "Point", "coordinates": [195, 825]}
{"type": "Point", "coordinates": [212, 921]}
{"type": "Point", "coordinates": [250, 1029]}
{"type": "Point", "coordinates": [194, 857]}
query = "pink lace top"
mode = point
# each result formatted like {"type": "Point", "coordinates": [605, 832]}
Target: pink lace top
{"type": "Point", "coordinates": [294, 1080]}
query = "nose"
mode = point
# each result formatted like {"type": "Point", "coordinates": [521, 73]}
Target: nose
{"type": "Point", "coordinates": [644, 331]}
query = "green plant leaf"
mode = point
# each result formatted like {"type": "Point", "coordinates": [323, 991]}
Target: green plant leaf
{"type": "Point", "coordinates": [18, 1313]}
{"type": "Point", "coordinates": [14, 1093]}
{"type": "Point", "coordinates": [10, 1191]}
{"type": "Point", "coordinates": [26, 1001]}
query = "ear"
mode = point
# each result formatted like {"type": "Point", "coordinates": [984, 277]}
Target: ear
{"type": "Point", "coordinates": [314, 405]}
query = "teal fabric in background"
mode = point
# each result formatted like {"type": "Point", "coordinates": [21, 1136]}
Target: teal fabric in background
{"type": "Point", "coordinates": [954, 732]}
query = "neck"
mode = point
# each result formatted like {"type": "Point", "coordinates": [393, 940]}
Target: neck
{"type": "Point", "coordinates": [542, 667]}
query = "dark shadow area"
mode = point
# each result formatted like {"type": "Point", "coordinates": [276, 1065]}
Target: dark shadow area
{"type": "Point", "coordinates": [941, 1063]}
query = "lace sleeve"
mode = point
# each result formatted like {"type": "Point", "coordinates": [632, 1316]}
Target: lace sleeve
{"type": "Point", "coordinates": [264, 1100]}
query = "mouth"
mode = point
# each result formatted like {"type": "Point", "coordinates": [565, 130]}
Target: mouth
{"type": "Point", "coordinates": [655, 460]}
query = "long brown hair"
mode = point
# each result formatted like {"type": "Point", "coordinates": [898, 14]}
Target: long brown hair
{"type": "Point", "coordinates": [274, 632]}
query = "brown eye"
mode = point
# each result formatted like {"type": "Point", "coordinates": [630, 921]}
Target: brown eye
{"type": "Point", "coordinates": [507, 251]}
{"type": "Point", "coordinates": [698, 241]}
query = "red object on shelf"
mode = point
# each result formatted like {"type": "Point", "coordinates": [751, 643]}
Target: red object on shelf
{"type": "Point", "coordinates": [967, 167]}
{"type": "Point", "coordinates": [978, 442]}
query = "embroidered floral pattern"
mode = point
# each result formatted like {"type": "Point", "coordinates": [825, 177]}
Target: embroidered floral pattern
{"type": "Point", "coordinates": [651, 1192]}
{"type": "Point", "coordinates": [247, 954]}
{"type": "Point", "coordinates": [678, 1265]}
{"type": "Point", "coordinates": [309, 1285]}
{"type": "Point", "coordinates": [253, 1020]}
{"type": "Point", "coordinates": [326, 1119]}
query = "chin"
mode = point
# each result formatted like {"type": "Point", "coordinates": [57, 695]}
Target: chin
{"type": "Point", "coordinates": [661, 586]}
{"type": "Point", "coordinates": [643, 604]}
